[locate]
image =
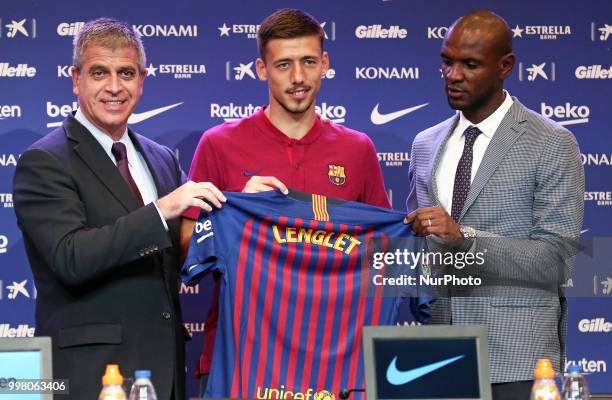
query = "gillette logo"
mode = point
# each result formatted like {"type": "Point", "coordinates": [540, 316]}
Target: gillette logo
{"type": "Point", "coordinates": [595, 325]}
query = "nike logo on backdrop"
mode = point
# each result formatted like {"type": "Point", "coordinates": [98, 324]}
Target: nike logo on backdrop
{"type": "Point", "coordinates": [397, 377]}
{"type": "Point", "coordinates": [380, 119]}
{"type": "Point", "coordinates": [134, 118]}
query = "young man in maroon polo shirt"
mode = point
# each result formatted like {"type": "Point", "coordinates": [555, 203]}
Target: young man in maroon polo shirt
{"type": "Point", "coordinates": [285, 144]}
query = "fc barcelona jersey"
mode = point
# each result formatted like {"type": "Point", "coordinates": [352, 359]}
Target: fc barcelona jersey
{"type": "Point", "coordinates": [295, 291]}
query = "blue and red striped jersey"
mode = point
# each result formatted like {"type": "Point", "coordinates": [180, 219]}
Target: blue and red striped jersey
{"type": "Point", "coordinates": [296, 291]}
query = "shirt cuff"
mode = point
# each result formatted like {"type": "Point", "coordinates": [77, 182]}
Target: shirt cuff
{"type": "Point", "coordinates": [161, 217]}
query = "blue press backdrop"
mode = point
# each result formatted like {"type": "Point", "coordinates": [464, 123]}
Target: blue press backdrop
{"type": "Point", "coordinates": [201, 63]}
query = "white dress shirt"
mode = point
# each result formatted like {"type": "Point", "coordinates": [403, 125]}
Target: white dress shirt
{"type": "Point", "coordinates": [136, 162]}
{"type": "Point", "coordinates": [451, 154]}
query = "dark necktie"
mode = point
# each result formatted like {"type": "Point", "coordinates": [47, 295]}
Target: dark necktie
{"type": "Point", "coordinates": [463, 176]}
{"type": "Point", "coordinates": [120, 153]}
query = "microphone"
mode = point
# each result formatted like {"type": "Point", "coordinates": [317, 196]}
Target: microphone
{"type": "Point", "coordinates": [346, 393]}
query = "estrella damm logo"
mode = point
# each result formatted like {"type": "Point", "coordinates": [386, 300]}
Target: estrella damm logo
{"type": "Point", "coordinates": [336, 174]}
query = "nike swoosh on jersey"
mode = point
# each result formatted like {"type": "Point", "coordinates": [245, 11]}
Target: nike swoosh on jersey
{"type": "Point", "coordinates": [397, 377]}
{"type": "Point", "coordinates": [380, 119]}
{"type": "Point", "coordinates": [136, 118]}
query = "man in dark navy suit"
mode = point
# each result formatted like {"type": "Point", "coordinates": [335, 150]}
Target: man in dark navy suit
{"type": "Point", "coordinates": [98, 207]}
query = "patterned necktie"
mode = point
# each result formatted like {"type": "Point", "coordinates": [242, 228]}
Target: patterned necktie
{"type": "Point", "coordinates": [463, 176]}
{"type": "Point", "coordinates": [120, 153]}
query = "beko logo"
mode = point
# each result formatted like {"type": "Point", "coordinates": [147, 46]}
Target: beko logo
{"type": "Point", "coordinates": [595, 325]}
{"type": "Point", "coordinates": [386, 73]}
{"type": "Point", "coordinates": [436, 32]}
{"type": "Point", "coordinates": [69, 28]}
{"type": "Point", "coordinates": [594, 72]}
{"type": "Point", "coordinates": [333, 113]}
{"type": "Point", "coordinates": [378, 32]}
{"type": "Point", "coordinates": [566, 114]}
{"type": "Point", "coordinates": [18, 71]}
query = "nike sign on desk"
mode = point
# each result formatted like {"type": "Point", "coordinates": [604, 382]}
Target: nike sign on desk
{"type": "Point", "coordinates": [380, 119]}
{"type": "Point", "coordinates": [397, 377]}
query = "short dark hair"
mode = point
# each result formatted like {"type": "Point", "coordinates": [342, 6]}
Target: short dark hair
{"type": "Point", "coordinates": [287, 23]}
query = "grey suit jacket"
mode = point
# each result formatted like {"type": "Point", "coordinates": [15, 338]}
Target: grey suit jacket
{"type": "Point", "coordinates": [526, 204]}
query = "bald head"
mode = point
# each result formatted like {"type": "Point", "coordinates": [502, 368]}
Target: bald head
{"type": "Point", "coordinates": [486, 26]}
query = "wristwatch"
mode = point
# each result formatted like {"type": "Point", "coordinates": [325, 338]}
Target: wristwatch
{"type": "Point", "coordinates": [467, 231]}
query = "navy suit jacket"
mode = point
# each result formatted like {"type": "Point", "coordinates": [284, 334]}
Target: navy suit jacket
{"type": "Point", "coordinates": [105, 269]}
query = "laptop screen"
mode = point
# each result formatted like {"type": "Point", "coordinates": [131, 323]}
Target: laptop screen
{"type": "Point", "coordinates": [426, 362]}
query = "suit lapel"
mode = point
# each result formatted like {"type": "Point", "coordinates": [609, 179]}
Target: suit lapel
{"type": "Point", "coordinates": [438, 146]}
{"type": "Point", "coordinates": [510, 129]}
{"type": "Point", "coordinates": [94, 156]}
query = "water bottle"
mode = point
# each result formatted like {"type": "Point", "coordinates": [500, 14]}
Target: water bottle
{"type": "Point", "coordinates": [111, 384]}
{"type": "Point", "coordinates": [544, 386]}
{"type": "Point", "coordinates": [142, 389]}
{"type": "Point", "coordinates": [574, 385]}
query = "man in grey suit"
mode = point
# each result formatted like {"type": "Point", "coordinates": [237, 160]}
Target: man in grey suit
{"type": "Point", "coordinates": [499, 180]}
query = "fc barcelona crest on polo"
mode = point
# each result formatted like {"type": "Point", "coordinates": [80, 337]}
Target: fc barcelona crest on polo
{"type": "Point", "coordinates": [336, 174]}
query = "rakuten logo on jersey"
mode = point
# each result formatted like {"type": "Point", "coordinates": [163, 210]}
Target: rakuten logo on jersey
{"type": "Point", "coordinates": [372, 73]}
{"type": "Point", "coordinates": [150, 30]}
{"type": "Point", "coordinates": [56, 111]}
{"type": "Point", "coordinates": [21, 331]}
{"type": "Point", "coordinates": [594, 72]}
{"type": "Point", "coordinates": [595, 325]}
{"type": "Point", "coordinates": [9, 111]}
{"type": "Point", "coordinates": [601, 199]}
{"type": "Point", "coordinates": [436, 32]}
{"type": "Point", "coordinates": [544, 32]}
{"type": "Point", "coordinates": [69, 28]}
{"type": "Point", "coordinates": [596, 159]}
{"type": "Point", "coordinates": [566, 114]}
{"type": "Point", "coordinates": [231, 112]}
{"type": "Point", "coordinates": [18, 71]}
{"type": "Point", "coordinates": [378, 32]}
{"type": "Point", "coordinates": [335, 114]}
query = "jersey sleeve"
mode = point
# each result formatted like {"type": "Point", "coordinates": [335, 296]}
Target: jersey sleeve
{"type": "Point", "coordinates": [204, 168]}
{"type": "Point", "coordinates": [203, 252]}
